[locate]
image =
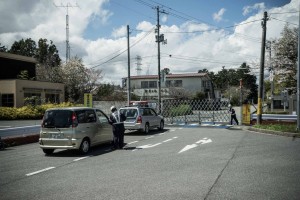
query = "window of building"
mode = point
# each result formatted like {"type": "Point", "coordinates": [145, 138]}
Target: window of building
{"type": "Point", "coordinates": [32, 98]}
{"type": "Point", "coordinates": [178, 83]}
{"type": "Point", "coordinates": [7, 100]}
{"type": "Point", "coordinates": [152, 84]}
{"type": "Point", "coordinates": [174, 83]}
{"type": "Point", "coordinates": [52, 98]}
{"type": "Point", "coordinates": [144, 84]}
{"type": "Point", "coordinates": [206, 84]}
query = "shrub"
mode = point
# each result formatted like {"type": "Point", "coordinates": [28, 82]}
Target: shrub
{"type": "Point", "coordinates": [29, 111]}
{"type": "Point", "coordinates": [181, 110]}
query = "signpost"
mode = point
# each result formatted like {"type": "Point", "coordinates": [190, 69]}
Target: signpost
{"type": "Point", "coordinates": [88, 100]}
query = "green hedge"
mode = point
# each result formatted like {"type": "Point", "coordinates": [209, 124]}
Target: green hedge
{"type": "Point", "coordinates": [29, 112]}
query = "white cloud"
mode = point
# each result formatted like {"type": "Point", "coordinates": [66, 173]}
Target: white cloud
{"type": "Point", "coordinates": [219, 15]}
{"type": "Point", "coordinates": [120, 32]}
{"type": "Point", "coordinates": [164, 18]}
{"type": "Point", "coordinates": [249, 9]}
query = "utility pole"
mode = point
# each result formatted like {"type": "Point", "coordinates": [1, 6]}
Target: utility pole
{"type": "Point", "coordinates": [159, 39]}
{"type": "Point", "coordinates": [298, 82]}
{"type": "Point", "coordinates": [262, 63]}
{"type": "Point", "coordinates": [128, 78]}
{"type": "Point", "coordinates": [67, 29]}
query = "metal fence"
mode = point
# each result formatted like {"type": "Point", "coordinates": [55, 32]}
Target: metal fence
{"type": "Point", "coordinates": [195, 111]}
{"type": "Point", "coordinates": [183, 111]}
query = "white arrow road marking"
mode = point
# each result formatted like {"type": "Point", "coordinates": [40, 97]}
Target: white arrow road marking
{"type": "Point", "coordinates": [153, 145]}
{"type": "Point", "coordinates": [188, 147]}
{"type": "Point", "coordinates": [204, 141]}
{"type": "Point", "coordinates": [42, 170]}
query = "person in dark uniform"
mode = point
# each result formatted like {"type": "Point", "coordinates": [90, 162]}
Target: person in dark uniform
{"type": "Point", "coordinates": [117, 121]}
{"type": "Point", "coordinates": [233, 115]}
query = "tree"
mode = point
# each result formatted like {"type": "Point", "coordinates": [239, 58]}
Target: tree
{"type": "Point", "coordinates": [3, 48]}
{"type": "Point", "coordinates": [285, 59]}
{"type": "Point", "coordinates": [93, 77]}
{"type": "Point", "coordinates": [47, 54]}
{"type": "Point", "coordinates": [75, 78]}
{"type": "Point", "coordinates": [24, 47]}
{"type": "Point", "coordinates": [23, 75]}
{"type": "Point", "coordinates": [249, 82]}
{"type": "Point", "coordinates": [166, 71]}
{"type": "Point", "coordinates": [110, 92]}
{"type": "Point", "coordinates": [230, 78]}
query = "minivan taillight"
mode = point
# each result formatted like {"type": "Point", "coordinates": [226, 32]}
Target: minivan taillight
{"type": "Point", "coordinates": [139, 119]}
{"type": "Point", "coordinates": [74, 120]}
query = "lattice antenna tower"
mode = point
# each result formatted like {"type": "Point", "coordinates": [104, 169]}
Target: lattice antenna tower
{"type": "Point", "coordinates": [68, 5]}
{"type": "Point", "coordinates": [138, 65]}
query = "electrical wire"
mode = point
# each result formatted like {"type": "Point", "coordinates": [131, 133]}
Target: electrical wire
{"type": "Point", "coordinates": [123, 50]}
{"type": "Point", "coordinates": [284, 21]}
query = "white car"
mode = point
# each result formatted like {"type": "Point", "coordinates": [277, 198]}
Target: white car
{"type": "Point", "coordinates": [142, 119]}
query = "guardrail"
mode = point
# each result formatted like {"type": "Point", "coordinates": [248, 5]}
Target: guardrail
{"type": "Point", "coordinates": [277, 117]}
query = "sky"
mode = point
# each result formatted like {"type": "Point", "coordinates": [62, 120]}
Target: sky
{"type": "Point", "coordinates": [199, 33]}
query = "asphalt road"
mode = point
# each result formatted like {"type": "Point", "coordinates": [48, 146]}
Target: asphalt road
{"type": "Point", "coordinates": [178, 163]}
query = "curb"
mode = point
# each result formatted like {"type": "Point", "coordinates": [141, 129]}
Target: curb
{"type": "Point", "coordinates": [287, 134]}
{"type": "Point", "coordinates": [20, 140]}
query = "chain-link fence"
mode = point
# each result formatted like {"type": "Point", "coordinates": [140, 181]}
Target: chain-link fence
{"type": "Point", "coordinates": [182, 111]}
{"type": "Point", "coordinates": [195, 111]}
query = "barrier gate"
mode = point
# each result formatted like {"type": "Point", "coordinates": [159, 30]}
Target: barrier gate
{"type": "Point", "coordinates": [195, 111]}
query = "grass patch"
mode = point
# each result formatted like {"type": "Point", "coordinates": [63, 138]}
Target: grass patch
{"type": "Point", "coordinates": [290, 128]}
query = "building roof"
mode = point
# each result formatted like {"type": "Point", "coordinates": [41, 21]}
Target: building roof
{"type": "Point", "coordinates": [17, 57]}
{"type": "Point", "coordinates": [187, 75]}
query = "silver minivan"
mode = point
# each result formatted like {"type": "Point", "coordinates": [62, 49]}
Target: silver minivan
{"type": "Point", "coordinates": [74, 128]}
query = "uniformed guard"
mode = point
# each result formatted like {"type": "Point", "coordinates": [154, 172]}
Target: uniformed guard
{"type": "Point", "coordinates": [117, 121]}
{"type": "Point", "coordinates": [233, 115]}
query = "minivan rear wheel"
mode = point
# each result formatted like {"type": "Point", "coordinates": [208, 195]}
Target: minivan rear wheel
{"type": "Point", "coordinates": [85, 146]}
{"type": "Point", "coordinates": [48, 151]}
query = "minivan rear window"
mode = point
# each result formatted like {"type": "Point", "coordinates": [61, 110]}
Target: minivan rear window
{"type": "Point", "coordinates": [57, 119]}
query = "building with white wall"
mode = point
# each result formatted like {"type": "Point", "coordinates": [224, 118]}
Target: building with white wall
{"type": "Point", "coordinates": [146, 86]}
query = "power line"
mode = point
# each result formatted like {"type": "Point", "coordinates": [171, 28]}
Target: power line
{"type": "Point", "coordinates": [284, 21]}
{"type": "Point", "coordinates": [122, 51]}
{"type": "Point", "coordinates": [279, 13]}
{"type": "Point", "coordinates": [140, 13]}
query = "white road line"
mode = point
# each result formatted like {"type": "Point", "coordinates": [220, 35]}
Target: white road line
{"type": "Point", "coordinates": [133, 142]}
{"type": "Point", "coordinates": [172, 130]}
{"type": "Point", "coordinates": [149, 137]}
{"type": "Point", "coordinates": [168, 140]}
{"type": "Point", "coordinates": [161, 134]}
{"type": "Point", "coordinates": [36, 172]}
{"type": "Point", "coordinates": [4, 127]}
{"type": "Point", "coordinates": [81, 158]}
{"type": "Point", "coordinates": [19, 127]}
